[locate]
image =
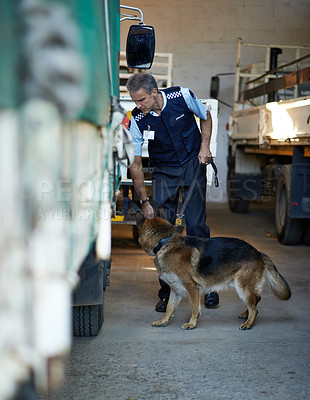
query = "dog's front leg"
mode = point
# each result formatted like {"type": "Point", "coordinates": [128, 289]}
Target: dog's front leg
{"type": "Point", "coordinates": [174, 300]}
{"type": "Point", "coordinates": [194, 302]}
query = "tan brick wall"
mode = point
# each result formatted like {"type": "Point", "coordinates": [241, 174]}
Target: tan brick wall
{"type": "Point", "coordinates": [202, 36]}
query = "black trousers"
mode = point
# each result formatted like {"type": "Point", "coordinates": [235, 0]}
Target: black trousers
{"type": "Point", "coordinates": [167, 184]}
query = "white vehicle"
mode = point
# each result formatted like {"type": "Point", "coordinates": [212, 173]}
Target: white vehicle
{"type": "Point", "coordinates": [269, 132]}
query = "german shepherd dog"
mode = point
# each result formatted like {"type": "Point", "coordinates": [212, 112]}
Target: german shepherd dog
{"type": "Point", "coordinates": [191, 265]}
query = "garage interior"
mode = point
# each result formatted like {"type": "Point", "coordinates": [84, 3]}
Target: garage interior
{"type": "Point", "coordinates": [131, 360]}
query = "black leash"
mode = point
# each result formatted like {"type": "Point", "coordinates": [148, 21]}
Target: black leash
{"type": "Point", "coordinates": [216, 181]}
{"type": "Point", "coordinates": [180, 215]}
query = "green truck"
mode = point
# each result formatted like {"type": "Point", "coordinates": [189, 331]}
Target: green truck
{"type": "Point", "coordinates": [61, 139]}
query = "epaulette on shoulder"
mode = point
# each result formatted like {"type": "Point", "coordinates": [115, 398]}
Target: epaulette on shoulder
{"type": "Point", "coordinates": [138, 115]}
{"type": "Point", "coordinates": [173, 92]}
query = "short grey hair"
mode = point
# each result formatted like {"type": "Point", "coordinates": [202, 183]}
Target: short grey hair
{"type": "Point", "coordinates": [142, 80]}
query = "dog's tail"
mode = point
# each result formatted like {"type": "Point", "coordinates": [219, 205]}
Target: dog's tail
{"type": "Point", "coordinates": [278, 284]}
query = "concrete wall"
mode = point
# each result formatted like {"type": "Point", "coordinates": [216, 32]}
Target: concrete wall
{"type": "Point", "coordinates": [202, 36]}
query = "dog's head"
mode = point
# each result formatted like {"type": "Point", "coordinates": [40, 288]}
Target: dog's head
{"type": "Point", "coordinates": [151, 231]}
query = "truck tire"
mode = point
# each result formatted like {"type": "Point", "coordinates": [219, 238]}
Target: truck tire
{"type": "Point", "coordinates": [239, 206]}
{"type": "Point", "coordinates": [87, 320]}
{"type": "Point", "coordinates": [289, 230]}
{"type": "Point", "coordinates": [236, 204]}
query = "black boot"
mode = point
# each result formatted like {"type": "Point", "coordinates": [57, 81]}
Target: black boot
{"type": "Point", "coordinates": [211, 299]}
{"type": "Point", "coordinates": [161, 306]}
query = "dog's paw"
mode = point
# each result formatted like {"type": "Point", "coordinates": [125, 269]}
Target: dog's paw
{"type": "Point", "coordinates": [245, 327]}
{"type": "Point", "coordinates": [244, 315]}
{"type": "Point", "coordinates": [159, 323]}
{"type": "Point", "coordinates": [188, 326]}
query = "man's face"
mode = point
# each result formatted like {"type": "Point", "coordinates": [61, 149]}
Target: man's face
{"type": "Point", "coordinates": [144, 101]}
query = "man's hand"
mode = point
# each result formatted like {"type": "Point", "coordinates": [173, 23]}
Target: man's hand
{"type": "Point", "coordinates": [204, 155]}
{"type": "Point", "coordinates": [148, 210]}
{"type": "Point", "coordinates": [137, 175]}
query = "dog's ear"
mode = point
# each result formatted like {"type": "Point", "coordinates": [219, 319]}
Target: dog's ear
{"type": "Point", "coordinates": [160, 213]}
{"type": "Point", "coordinates": [140, 218]}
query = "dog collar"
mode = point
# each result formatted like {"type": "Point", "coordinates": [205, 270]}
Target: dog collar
{"type": "Point", "coordinates": [161, 243]}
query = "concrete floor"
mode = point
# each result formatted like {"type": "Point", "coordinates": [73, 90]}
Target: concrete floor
{"type": "Point", "coordinates": [132, 360]}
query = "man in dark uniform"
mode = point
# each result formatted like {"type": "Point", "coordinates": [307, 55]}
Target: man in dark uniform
{"type": "Point", "coordinates": [176, 147]}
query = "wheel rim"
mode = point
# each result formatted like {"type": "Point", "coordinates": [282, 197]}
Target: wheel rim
{"type": "Point", "coordinates": [282, 207]}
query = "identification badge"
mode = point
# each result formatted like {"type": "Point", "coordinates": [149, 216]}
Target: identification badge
{"type": "Point", "coordinates": [148, 135]}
